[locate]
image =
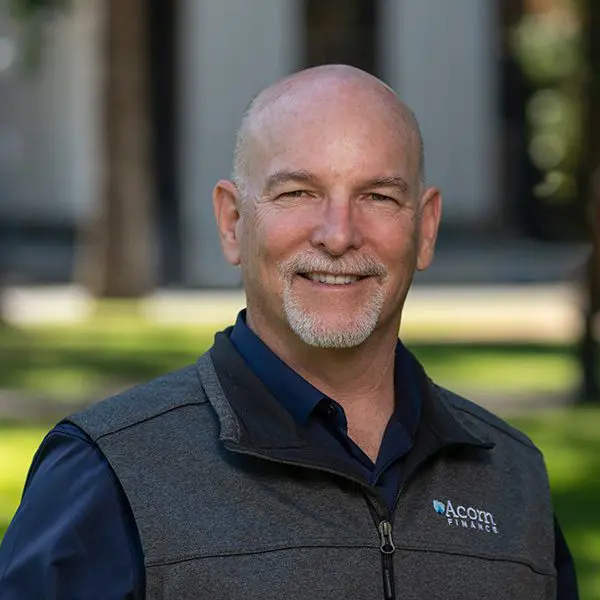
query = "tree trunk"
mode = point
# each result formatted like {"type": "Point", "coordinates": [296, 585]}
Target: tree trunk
{"type": "Point", "coordinates": [590, 188]}
{"type": "Point", "coordinates": [118, 258]}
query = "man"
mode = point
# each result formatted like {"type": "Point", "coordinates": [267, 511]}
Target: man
{"type": "Point", "coordinates": [307, 454]}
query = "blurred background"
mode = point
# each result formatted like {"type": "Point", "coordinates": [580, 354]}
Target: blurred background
{"type": "Point", "coordinates": [118, 116]}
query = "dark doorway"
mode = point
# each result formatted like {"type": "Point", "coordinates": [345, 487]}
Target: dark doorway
{"type": "Point", "coordinates": [341, 31]}
{"type": "Point", "coordinates": [163, 91]}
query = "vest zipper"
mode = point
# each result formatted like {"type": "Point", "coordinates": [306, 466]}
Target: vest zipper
{"type": "Point", "coordinates": [387, 550]}
{"type": "Point", "coordinates": [387, 546]}
{"type": "Point", "coordinates": [384, 526]}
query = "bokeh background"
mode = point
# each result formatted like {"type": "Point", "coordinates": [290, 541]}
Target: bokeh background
{"type": "Point", "coordinates": [117, 117]}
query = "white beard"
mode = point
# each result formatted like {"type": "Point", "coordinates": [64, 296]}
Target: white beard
{"type": "Point", "coordinates": [312, 330]}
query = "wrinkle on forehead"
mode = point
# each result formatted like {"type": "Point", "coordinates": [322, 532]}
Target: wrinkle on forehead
{"type": "Point", "coordinates": [295, 94]}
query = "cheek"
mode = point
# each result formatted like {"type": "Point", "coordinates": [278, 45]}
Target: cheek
{"type": "Point", "coordinates": [395, 240]}
{"type": "Point", "coordinates": [281, 233]}
{"type": "Point", "coordinates": [269, 238]}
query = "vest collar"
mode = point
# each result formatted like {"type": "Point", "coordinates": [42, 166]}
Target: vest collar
{"type": "Point", "coordinates": [252, 420]}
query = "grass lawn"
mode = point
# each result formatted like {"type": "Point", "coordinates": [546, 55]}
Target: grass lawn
{"type": "Point", "coordinates": [117, 348]}
{"type": "Point", "coordinates": [570, 440]}
{"type": "Point", "coordinates": [17, 446]}
{"type": "Point", "coordinates": [76, 360]}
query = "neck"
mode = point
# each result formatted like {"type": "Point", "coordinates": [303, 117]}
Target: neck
{"type": "Point", "coordinates": [359, 378]}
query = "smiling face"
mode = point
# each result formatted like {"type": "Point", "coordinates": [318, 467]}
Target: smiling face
{"type": "Point", "coordinates": [334, 222]}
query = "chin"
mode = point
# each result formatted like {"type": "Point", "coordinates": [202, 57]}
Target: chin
{"type": "Point", "coordinates": [319, 331]}
{"type": "Point", "coordinates": [330, 326]}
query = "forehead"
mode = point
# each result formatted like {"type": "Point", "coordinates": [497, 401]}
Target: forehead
{"type": "Point", "coordinates": [333, 131]}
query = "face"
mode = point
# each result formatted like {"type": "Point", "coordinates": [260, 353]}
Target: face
{"type": "Point", "coordinates": [335, 223]}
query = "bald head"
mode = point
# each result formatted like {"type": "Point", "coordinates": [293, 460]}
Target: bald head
{"type": "Point", "coordinates": [302, 94]}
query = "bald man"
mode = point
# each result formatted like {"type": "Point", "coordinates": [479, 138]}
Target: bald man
{"type": "Point", "coordinates": [307, 454]}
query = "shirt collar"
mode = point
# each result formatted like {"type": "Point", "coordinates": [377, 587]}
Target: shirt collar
{"type": "Point", "coordinates": [252, 420]}
{"type": "Point", "coordinates": [300, 398]}
{"type": "Point", "coordinates": [293, 392]}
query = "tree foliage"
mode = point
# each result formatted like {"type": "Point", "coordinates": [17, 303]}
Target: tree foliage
{"type": "Point", "coordinates": [27, 8]}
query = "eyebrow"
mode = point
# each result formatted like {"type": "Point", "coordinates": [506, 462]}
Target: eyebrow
{"type": "Point", "coordinates": [385, 182]}
{"type": "Point", "coordinates": [280, 177]}
{"type": "Point", "coordinates": [301, 176]}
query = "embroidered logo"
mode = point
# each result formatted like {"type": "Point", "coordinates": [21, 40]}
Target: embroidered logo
{"type": "Point", "coordinates": [466, 516]}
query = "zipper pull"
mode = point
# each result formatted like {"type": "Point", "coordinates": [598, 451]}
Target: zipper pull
{"type": "Point", "coordinates": [385, 533]}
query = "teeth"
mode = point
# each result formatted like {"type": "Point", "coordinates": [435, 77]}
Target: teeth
{"type": "Point", "coordinates": [332, 279]}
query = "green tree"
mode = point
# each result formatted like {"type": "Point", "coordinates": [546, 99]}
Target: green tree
{"type": "Point", "coordinates": [116, 254]}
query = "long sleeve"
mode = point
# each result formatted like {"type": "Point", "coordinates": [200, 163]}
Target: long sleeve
{"type": "Point", "coordinates": [566, 580]}
{"type": "Point", "coordinates": [73, 535]}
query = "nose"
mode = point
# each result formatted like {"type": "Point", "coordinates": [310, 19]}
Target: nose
{"type": "Point", "coordinates": [339, 229]}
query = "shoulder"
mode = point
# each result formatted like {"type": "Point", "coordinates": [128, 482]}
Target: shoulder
{"type": "Point", "coordinates": [72, 499]}
{"type": "Point", "coordinates": [141, 403]}
{"type": "Point", "coordinates": [484, 422]}
{"type": "Point", "coordinates": [69, 475]}
{"type": "Point", "coordinates": [68, 455]}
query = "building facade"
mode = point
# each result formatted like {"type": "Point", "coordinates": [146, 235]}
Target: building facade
{"type": "Point", "coordinates": [210, 57]}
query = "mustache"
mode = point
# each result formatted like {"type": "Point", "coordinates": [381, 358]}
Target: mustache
{"type": "Point", "coordinates": [360, 265]}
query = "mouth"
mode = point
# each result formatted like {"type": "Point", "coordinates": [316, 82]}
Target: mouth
{"type": "Point", "coordinates": [330, 279]}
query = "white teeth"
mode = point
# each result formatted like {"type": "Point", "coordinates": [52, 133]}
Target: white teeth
{"type": "Point", "coordinates": [332, 279]}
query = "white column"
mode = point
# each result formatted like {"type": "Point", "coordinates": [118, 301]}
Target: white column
{"type": "Point", "coordinates": [230, 50]}
{"type": "Point", "coordinates": [439, 55]}
{"type": "Point", "coordinates": [85, 87]}
{"type": "Point", "coordinates": [50, 118]}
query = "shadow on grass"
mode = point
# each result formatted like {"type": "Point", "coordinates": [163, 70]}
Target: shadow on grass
{"type": "Point", "coordinates": [577, 511]}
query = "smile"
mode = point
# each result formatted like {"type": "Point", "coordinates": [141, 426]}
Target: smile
{"type": "Point", "coordinates": [329, 279]}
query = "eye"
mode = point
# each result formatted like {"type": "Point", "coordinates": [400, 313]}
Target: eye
{"type": "Point", "coordinates": [295, 194]}
{"type": "Point", "coordinates": [381, 198]}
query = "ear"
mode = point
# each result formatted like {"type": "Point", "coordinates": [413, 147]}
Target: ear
{"type": "Point", "coordinates": [431, 212]}
{"type": "Point", "coordinates": [225, 203]}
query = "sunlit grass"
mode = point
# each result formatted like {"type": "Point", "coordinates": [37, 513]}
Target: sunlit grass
{"type": "Point", "coordinates": [17, 447]}
{"type": "Point", "coordinates": [72, 361]}
{"type": "Point", "coordinates": [118, 347]}
{"type": "Point", "coordinates": [492, 366]}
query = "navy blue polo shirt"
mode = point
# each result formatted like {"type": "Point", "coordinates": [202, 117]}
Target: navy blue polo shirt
{"type": "Point", "coordinates": [314, 410]}
{"type": "Point", "coordinates": [74, 535]}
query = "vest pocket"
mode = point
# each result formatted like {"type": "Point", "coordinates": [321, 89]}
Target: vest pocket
{"type": "Point", "coordinates": [456, 575]}
{"type": "Point", "coordinates": [300, 572]}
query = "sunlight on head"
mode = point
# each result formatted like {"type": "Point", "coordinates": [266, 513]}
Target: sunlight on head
{"type": "Point", "coordinates": [248, 135]}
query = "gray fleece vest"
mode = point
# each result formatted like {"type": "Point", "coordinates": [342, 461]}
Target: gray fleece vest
{"type": "Point", "coordinates": [233, 499]}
